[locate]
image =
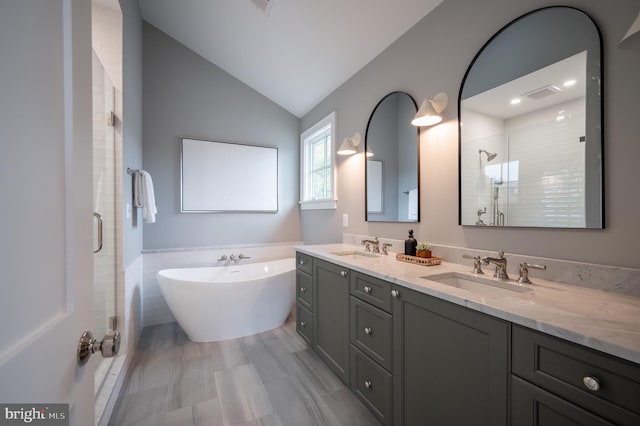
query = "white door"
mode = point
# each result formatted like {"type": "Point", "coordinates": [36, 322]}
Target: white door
{"type": "Point", "coordinates": [46, 298]}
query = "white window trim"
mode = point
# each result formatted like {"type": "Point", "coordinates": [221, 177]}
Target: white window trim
{"type": "Point", "coordinates": [330, 203]}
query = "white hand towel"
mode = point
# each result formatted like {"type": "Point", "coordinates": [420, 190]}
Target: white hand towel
{"type": "Point", "coordinates": [413, 204]}
{"type": "Point", "coordinates": [143, 195]}
{"type": "Point", "coordinates": [138, 191]}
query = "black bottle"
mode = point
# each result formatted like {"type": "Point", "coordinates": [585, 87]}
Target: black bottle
{"type": "Point", "coordinates": [410, 244]}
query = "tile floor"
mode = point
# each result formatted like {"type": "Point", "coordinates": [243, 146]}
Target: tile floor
{"type": "Point", "coordinates": [272, 378]}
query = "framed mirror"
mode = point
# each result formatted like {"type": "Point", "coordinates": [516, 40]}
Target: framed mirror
{"type": "Point", "coordinates": [531, 138]}
{"type": "Point", "coordinates": [227, 177]}
{"type": "Point", "coordinates": [392, 190]}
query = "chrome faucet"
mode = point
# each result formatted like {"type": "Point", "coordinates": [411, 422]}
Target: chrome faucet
{"type": "Point", "coordinates": [233, 258]}
{"type": "Point", "coordinates": [371, 245]}
{"type": "Point", "coordinates": [501, 265]}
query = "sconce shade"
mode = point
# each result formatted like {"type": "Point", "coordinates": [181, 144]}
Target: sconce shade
{"type": "Point", "coordinates": [632, 34]}
{"type": "Point", "coordinates": [429, 112]}
{"type": "Point", "coordinates": [346, 148]}
{"type": "Point", "coordinates": [349, 145]}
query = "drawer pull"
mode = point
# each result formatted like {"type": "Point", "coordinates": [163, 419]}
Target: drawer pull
{"type": "Point", "coordinates": [303, 324]}
{"type": "Point", "coordinates": [343, 273]}
{"type": "Point", "coordinates": [368, 331]}
{"type": "Point", "coordinates": [367, 289]}
{"type": "Point", "coordinates": [302, 289]}
{"type": "Point", "coordinates": [592, 383]}
{"type": "Point", "coordinates": [368, 384]}
{"type": "Point", "coordinates": [395, 293]}
{"type": "Point", "coordinates": [302, 262]}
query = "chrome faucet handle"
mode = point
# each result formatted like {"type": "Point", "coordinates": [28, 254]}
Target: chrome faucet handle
{"type": "Point", "coordinates": [222, 258]}
{"type": "Point", "coordinates": [366, 245]}
{"type": "Point", "coordinates": [524, 271]}
{"type": "Point", "coordinates": [242, 256]}
{"type": "Point", "coordinates": [477, 263]}
{"type": "Point", "coordinates": [384, 248]}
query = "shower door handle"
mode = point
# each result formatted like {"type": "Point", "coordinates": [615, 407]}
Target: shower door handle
{"type": "Point", "coordinates": [97, 216]}
{"type": "Point", "coordinates": [87, 345]}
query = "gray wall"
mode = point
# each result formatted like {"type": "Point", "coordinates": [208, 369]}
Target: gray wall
{"type": "Point", "coordinates": [433, 57]}
{"type": "Point", "coordinates": [132, 122]}
{"type": "Point", "coordinates": [186, 96]}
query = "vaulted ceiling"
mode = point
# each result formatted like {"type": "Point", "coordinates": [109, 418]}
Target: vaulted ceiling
{"type": "Point", "coordinates": [299, 52]}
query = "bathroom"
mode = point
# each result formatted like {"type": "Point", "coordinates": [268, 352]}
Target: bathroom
{"type": "Point", "coordinates": [171, 92]}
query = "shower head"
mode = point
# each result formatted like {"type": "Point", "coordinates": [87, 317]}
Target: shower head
{"type": "Point", "coordinates": [490, 155]}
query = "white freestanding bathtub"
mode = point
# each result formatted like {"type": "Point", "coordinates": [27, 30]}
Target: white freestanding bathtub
{"type": "Point", "coordinates": [226, 302]}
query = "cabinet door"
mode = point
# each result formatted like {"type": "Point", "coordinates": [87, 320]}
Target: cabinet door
{"type": "Point", "coordinates": [532, 406]}
{"type": "Point", "coordinates": [450, 364]}
{"type": "Point", "coordinates": [331, 312]}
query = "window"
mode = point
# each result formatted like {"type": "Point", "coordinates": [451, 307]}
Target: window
{"type": "Point", "coordinates": [317, 172]}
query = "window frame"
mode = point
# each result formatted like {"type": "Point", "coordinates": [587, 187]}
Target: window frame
{"type": "Point", "coordinates": [332, 201]}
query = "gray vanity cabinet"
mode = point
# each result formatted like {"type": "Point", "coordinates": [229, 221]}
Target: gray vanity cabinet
{"type": "Point", "coordinates": [331, 316]}
{"type": "Point", "coordinates": [556, 382]}
{"type": "Point", "coordinates": [450, 364]}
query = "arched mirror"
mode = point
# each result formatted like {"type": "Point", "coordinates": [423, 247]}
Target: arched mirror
{"type": "Point", "coordinates": [392, 161]}
{"type": "Point", "coordinates": [531, 140]}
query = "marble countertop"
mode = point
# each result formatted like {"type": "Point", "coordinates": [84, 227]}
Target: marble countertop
{"type": "Point", "coordinates": [600, 320]}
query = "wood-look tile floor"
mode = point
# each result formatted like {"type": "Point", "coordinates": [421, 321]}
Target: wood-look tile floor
{"type": "Point", "coordinates": [272, 378]}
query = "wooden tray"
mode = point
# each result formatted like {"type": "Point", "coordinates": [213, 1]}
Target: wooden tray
{"type": "Point", "coordinates": [425, 261]}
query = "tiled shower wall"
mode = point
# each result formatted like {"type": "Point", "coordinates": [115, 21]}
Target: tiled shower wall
{"type": "Point", "coordinates": [540, 162]}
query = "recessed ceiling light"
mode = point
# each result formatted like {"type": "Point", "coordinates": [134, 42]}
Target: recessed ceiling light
{"type": "Point", "coordinates": [569, 83]}
{"type": "Point", "coordinates": [515, 101]}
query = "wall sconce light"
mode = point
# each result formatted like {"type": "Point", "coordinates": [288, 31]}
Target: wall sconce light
{"type": "Point", "coordinates": [632, 34]}
{"type": "Point", "coordinates": [349, 145]}
{"type": "Point", "coordinates": [368, 152]}
{"type": "Point", "coordinates": [429, 112]}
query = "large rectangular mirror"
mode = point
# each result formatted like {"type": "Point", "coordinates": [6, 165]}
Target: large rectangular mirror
{"type": "Point", "coordinates": [531, 125]}
{"type": "Point", "coordinates": [392, 161]}
{"type": "Point", "coordinates": [228, 177]}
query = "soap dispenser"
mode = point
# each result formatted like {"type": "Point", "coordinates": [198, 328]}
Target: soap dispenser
{"type": "Point", "coordinates": [410, 244]}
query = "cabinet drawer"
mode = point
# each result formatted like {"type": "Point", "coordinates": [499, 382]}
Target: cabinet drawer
{"type": "Point", "coordinates": [371, 331]}
{"type": "Point", "coordinates": [533, 406]}
{"type": "Point", "coordinates": [372, 384]}
{"type": "Point", "coordinates": [561, 368]}
{"type": "Point", "coordinates": [304, 289]}
{"type": "Point", "coordinates": [304, 323]}
{"type": "Point", "coordinates": [372, 290]}
{"type": "Point", "coordinates": [304, 262]}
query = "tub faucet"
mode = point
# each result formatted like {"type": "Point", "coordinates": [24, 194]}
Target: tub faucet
{"type": "Point", "coordinates": [234, 258]}
{"type": "Point", "coordinates": [501, 265]}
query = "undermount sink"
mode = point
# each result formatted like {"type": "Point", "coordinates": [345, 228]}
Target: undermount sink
{"type": "Point", "coordinates": [354, 254]}
{"type": "Point", "coordinates": [478, 284]}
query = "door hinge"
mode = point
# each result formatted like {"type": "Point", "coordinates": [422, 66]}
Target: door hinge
{"type": "Point", "coordinates": [111, 119]}
{"type": "Point", "coordinates": [113, 322]}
